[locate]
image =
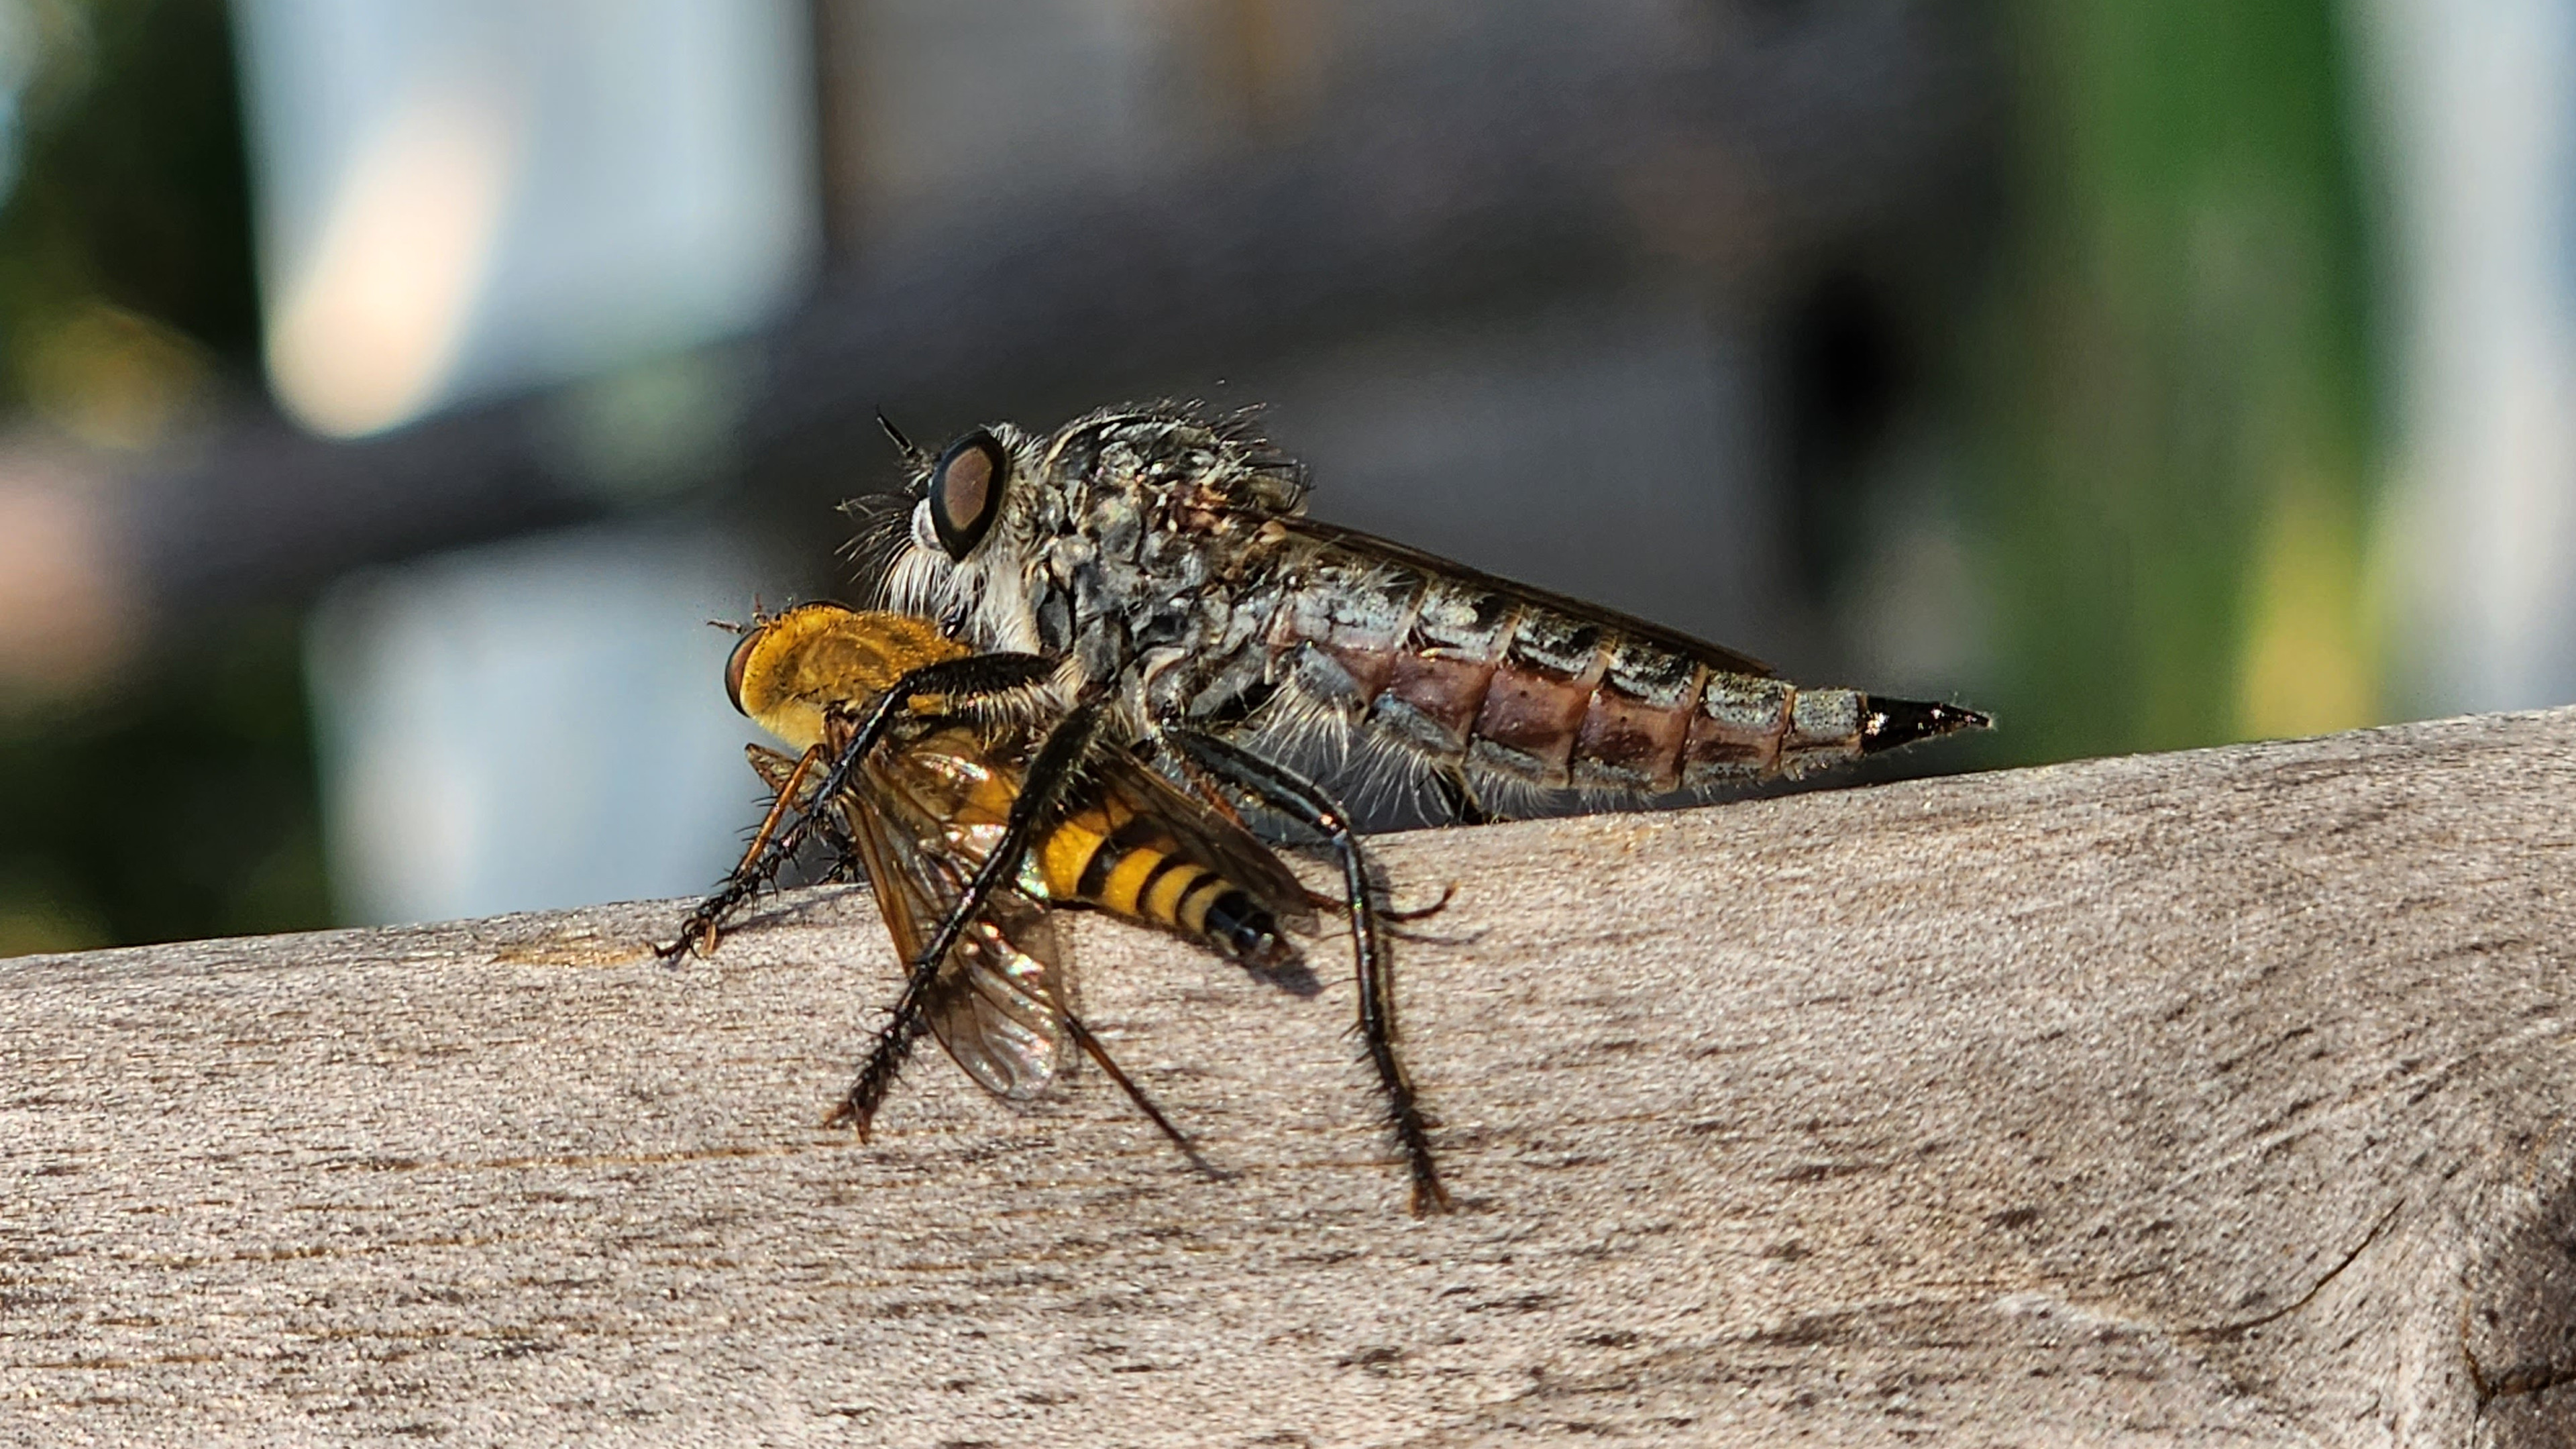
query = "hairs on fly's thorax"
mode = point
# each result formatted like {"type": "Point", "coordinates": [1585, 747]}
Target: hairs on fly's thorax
{"type": "Point", "coordinates": [1239, 463]}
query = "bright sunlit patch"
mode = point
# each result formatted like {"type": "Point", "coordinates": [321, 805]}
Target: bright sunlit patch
{"type": "Point", "coordinates": [369, 324]}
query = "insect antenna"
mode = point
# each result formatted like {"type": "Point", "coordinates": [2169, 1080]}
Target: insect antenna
{"type": "Point", "coordinates": [911, 454]}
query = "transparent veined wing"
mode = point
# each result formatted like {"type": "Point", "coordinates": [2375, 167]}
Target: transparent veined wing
{"type": "Point", "coordinates": [917, 819]}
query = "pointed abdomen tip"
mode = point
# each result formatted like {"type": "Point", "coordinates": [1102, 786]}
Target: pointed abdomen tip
{"type": "Point", "coordinates": [1889, 723]}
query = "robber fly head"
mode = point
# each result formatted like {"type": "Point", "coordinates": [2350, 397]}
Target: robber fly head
{"type": "Point", "coordinates": [1013, 538]}
{"type": "Point", "coordinates": [970, 535]}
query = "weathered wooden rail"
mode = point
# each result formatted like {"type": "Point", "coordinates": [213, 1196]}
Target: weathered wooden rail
{"type": "Point", "coordinates": [2209, 1098]}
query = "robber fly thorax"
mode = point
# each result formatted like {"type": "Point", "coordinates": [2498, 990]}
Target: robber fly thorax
{"type": "Point", "coordinates": [1166, 558]}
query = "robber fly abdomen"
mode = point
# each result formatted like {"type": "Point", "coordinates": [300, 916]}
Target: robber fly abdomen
{"type": "Point", "coordinates": [1497, 679]}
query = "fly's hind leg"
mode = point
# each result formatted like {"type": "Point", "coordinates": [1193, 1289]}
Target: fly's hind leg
{"type": "Point", "coordinates": [1464, 805]}
{"type": "Point", "coordinates": [1306, 802]}
{"type": "Point", "coordinates": [1098, 1051]}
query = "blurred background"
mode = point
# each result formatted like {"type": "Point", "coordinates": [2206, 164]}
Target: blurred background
{"type": "Point", "coordinates": [390, 390]}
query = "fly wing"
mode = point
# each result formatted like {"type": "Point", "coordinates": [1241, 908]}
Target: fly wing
{"type": "Point", "coordinates": [998, 1001]}
{"type": "Point", "coordinates": [1205, 836]}
{"type": "Point", "coordinates": [1434, 566]}
{"type": "Point", "coordinates": [994, 1007]}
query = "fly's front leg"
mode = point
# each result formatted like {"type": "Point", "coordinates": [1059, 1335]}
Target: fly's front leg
{"type": "Point", "coordinates": [1050, 775]}
{"type": "Point", "coordinates": [977, 676]}
{"type": "Point", "coordinates": [756, 868]}
{"type": "Point", "coordinates": [1303, 800]}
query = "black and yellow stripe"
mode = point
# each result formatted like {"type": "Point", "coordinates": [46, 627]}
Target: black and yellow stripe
{"type": "Point", "coordinates": [1107, 856]}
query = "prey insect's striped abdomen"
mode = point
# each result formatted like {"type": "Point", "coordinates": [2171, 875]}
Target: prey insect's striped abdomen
{"type": "Point", "coordinates": [1107, 855]}
{"type": "Point", "coordinates": [1124, 844]}
{"type": "Point", "coordinates": [1480, 675]}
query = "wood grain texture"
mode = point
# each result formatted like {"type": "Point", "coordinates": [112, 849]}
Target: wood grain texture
{"type": "Point", "coordinates": [2216, 1098]}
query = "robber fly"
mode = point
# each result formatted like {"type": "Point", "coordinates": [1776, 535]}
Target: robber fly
{"type": "Point", "coordinates": [1169, 558]}
{"type": "Point", "coordinates": [1166, 563]}
{"type": "Point", "coordinates": [924, 810]}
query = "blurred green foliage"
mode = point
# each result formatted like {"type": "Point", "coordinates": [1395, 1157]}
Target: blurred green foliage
{"type": "Point", "coordinates": [131, 185]}
{"type": "Point", "coordinates": [182, 803]}
{"type": "Point", "coordinates": [2174, 382]}
{"type": "Point", "coordinates": [178, 807]}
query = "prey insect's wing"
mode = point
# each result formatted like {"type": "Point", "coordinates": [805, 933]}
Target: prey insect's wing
{"type": "Point", "coordinates": [1203, 835]}
{"type": "Point", "coordinates": [1431, 565]}
{"type": "Point", "coordinates": [998, 1002]}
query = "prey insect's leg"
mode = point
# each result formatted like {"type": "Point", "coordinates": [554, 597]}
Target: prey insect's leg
{"type": "Point", "coordinates": [1208, 791]}
{"type": "Point", "coordinates": [787, 793]}
{"type": "Point", "coordinates": [701, 926]}
{"type": "Point", "coordinates": [1050, 775]}
{"type": "Point", "coordinates": [698, 932]}
{"type": "Point", "coordinates": [1389, 915]}
{"type": "Point", "coordinates": [976, 676]}
{"type": "Point", "coordinates": [1448, 893]}
{"type": "Point", "coordinates": [1098, 1052]}
{"type": "Point", "coordinates": [1306, 802]}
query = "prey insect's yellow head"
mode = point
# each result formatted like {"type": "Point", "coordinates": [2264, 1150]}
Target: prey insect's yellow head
{"type": "Point", "coordinates": [794, 667]}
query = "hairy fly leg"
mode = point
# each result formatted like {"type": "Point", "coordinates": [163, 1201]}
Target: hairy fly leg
{"type": "Point", "coordinates": [1304, 801]}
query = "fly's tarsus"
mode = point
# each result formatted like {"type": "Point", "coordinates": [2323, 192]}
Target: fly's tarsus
{"type": "Point", "coordinates": [1448, 893]}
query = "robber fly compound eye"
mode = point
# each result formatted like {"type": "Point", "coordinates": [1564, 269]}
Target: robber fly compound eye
{"type": "Point", "coordinates": [966, 492]}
